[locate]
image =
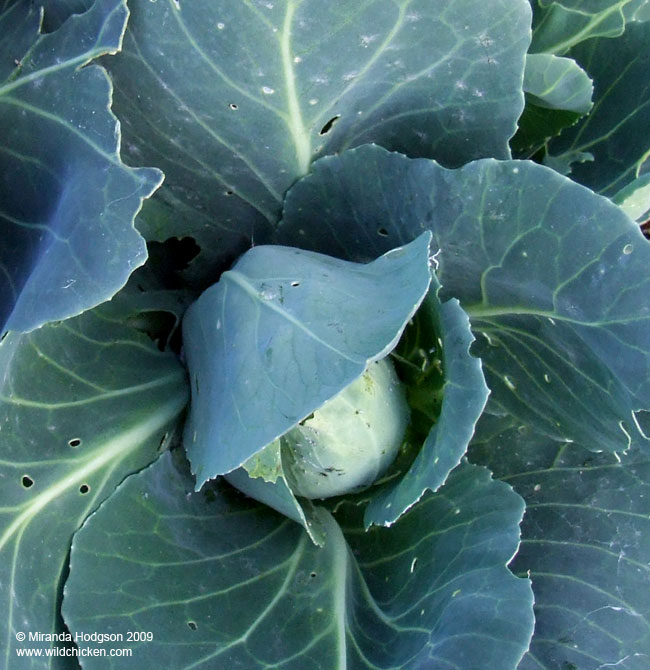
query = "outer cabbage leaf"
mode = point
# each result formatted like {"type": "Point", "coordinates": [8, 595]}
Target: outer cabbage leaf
{"type": "Point", "coordinates": [554, 278]}
{"type": "Point", "coordinates": [558, 93]}
{"type": "Point", "coordinates": [246, 588]}
{"type": "Point", "coordinates": [67, 202]}
{"type": "Point", "coordinates": [617, 132]}
{"type": "Point", "coordinates": [634, 199]}
{"type": "Point", "coordinates": [82, 404]}
{"type": "Point", "coordinates": [559, 25]}
{"type": "Point", "coordinates": [585, 545]}
{"type": "Point", "coordinates": [281, 333]}
{"type": "Point", "coordinates": [265, 97]}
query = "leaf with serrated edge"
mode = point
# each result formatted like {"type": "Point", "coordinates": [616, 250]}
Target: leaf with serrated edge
{"type": "Point", "coordinates": [246, 588]}
{"type": "Point", "coordinates": [464, 395]}
{"type": "Point", "coordinates": [585, 545]}
{"type": "Point", "coordinates": [283, 332]}
{"type": "Point", "coordinates": [67, 202]}
{"type": "Point", "coordinates": [554, 278]}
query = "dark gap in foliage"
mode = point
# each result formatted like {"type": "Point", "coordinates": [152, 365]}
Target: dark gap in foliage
{"type": "Point", "coordinates": [328, 126]}
{"type": "Point", "coordinates": [645, 228]}
{"type": "Point", "coordinates": [170, 258]}
{"type": "Point", "coordinates": [159, 326]}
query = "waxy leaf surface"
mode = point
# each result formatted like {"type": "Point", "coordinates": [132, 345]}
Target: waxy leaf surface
{"type": "Point", "coordinates": [585, 545]}
{"type": "Point", "coordinates": [67, 202]}
{"type": "Point", "coordinates": [281, 333]}
{"type": "Point", "coordinates": [82, 404]}
{"type": "Point", "coordinates": [554, 278]}
{"type": "Point", "coordinates": [617, 132]}
{"type": "Point", "coordinates": [274, 85]}
{"type": "Point", "coordinates": [246, 588]}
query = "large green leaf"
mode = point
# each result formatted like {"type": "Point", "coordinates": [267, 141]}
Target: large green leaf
{"type": "Point", "coordinates": [233, 100]}
{"type": "Point", "coordinates": [246, 588]}
{"type": "Point", "coordinates": [554, 278]}
{"type": "Point", "coordinates": [559, 25]}
{"type": "Point", "coordinates": [281, 333]}
{"type": "Point", "coordinates": [558, 93]}
{"type": "Point", "coordinates": [617, 132]}
{"type": "Point", "coordinates": [67, 202]}
{"type": "Point", "coordinates": [585, 545]}
{"type": "Point", "coordinates": [82, 404]}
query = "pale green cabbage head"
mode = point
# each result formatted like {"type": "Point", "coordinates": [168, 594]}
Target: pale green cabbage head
{"type": "Point", "coordinates": [352, 439]}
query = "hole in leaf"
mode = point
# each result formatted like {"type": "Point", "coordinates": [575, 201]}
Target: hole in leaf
{"type": "Point", "coordinates": [328, 126]}
{"type": "Point", "coordinates": [229, 193]}
{"type": "Point", "coordinates": [4, 335]}
{"type": "Point", "coordinates": [27, 481]}
{"type": "Point", "coordinates": [233, 106]}
{"type": "Point", "coordinates": [192, 625]}
{"type": "Point", "coordinates": [382, 232]}
{"type": "Point", "coordinates": [74, 442]}
{"type": "Point", "coordinates": [295, 283]}
{"type": "Point", "coordinates": [83, 489]}
{"type": "Point", "coordinates": [163, 439]}
{"type": "Point", "coordinates": [312, 575]}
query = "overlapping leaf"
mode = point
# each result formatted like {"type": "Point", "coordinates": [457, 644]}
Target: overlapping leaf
{"type": "Point", "coordinates": [82, 404]}
{"type": "Point", "coordinates": [67, 202]}
{"type": "Point", "coordinates": [585, 545]}
{"type": "Point", "coordinates": [558, 25]}
{"type": "Point", "coordinates": [283, 332]}
{"type": "Point", "coordinates": [246, 588]}
{"type": "Point", "coordinates": [617, 132]}
{"type": "Point", "coordinates": [451, 391]}
{"type": "Point", "coordinates": [553, 277]}
{"type": "Point", "coordinates": [233, 100]}
{"type": "Point", "coordinates": [558, 93]}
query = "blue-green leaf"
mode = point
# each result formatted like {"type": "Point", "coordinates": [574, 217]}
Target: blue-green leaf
{"type": "Point", "coordinates": [557, 83]}
{"type": "Point", "coordinates": [585, 545]}
{"type": "Point", "coordinates": [82, 404]}
{"type": "Point", "coordinates": [67, 202]}
{"type": "Point", "coordinates": [461, 397]}
{"type": "Point", "coordinates": [617, 132]}
{"type": "Point", "coordinates": [281, 333]}
{"type": "Point", "coordinates": [275, 85]}
{"type": "Point", "coordinates": [554, 278]}
{"type": "Point", "coordinates": [559, 25]}
{"type": "Point", "coordinates": [246, 588]}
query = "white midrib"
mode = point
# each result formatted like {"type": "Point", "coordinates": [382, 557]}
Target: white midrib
{"type": "Point", "coordinates": [116, 448]}
{"type": "Point", "coordinates": [297, 129]}
{"type": "Point", "coordinates": [340, 575]}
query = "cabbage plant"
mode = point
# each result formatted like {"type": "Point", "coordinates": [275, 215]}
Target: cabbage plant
{"type": "Point", "coordinates": [325, 334]}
